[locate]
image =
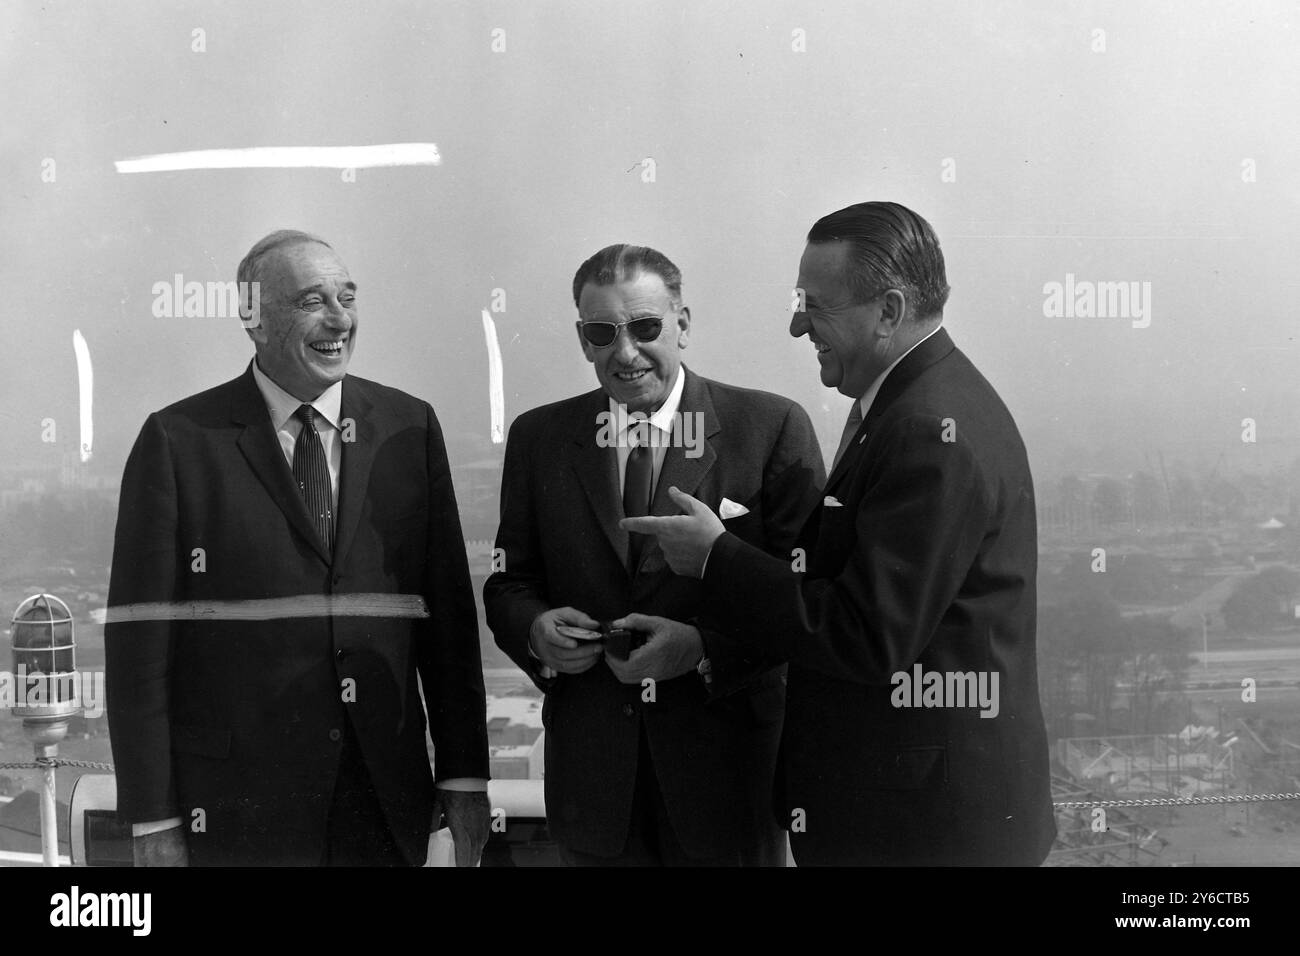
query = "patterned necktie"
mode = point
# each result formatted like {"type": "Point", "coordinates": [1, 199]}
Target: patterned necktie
{"type": "Point", "coordinates": [312, 474]}
{"type": "Point", "coordinates": [636, 496]}
{"type": "Point", "coordinates": [850, 429]}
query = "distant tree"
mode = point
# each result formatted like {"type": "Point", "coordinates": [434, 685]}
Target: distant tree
{"type": "Point", "coordinates": [1077, 577]}
{"type": "Point", "coordinates": [1185, 500]}
{"type": "Point", "coordinates": [1138, 578]}
{"type": "Point", "coordinates": [1158, 660]}
{"type": "Point", "coordinates": [1082, 645]}
{"type": "Point", "coordinates": [1073, 500]}
{"type": "Point", "coordinates": [1110, 502]}
{"type": "Point", "coordinates": [1227, 500]}
{"type": "Point", "coordinates": [1148, 499]}
{"type": "Point", "coordinates": [1263, 600]}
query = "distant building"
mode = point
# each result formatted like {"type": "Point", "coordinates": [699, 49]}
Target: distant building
{"type": "Point", "coordinates": [522, 762]}
{"type": "Point", "coordinates": [515, 738]}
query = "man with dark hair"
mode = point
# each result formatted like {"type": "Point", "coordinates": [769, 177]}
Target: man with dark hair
{"type": "Point", "coordinates": [664, 755]}
{"type": "Point", "coordinates": [913, 733]}
{"type": "Point", "coordinates": [288, 564]}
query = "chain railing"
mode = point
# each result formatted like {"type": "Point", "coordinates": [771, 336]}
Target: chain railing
{"type": "Point", "coordinates": [1177, 801]}
{"type": "Point", "coordinates": [45, 763]}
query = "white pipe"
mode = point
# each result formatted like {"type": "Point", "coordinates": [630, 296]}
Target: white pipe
{"type": "Point", "coordinates": [49, 820]}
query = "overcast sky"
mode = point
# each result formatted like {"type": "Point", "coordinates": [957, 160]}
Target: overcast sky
{"type": "Point", "coordinates": [1120, 155]}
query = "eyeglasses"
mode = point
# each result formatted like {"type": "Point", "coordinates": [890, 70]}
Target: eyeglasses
{"type": "Point", "coordinates": [601, 334]}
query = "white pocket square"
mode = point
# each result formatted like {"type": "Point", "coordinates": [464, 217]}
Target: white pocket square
{"type": "Point", "coordinates": [729, 509]}
{"type": "Point", "coordinates": [830, 501]}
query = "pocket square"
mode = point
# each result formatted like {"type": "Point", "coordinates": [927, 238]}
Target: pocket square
{"type": "Point", "coordinates": [830, 501]}
{"type": "Point", "coordinates": [729, 509]}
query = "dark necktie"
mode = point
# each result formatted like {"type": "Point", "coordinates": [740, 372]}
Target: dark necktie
{"type": "Point", "coordinates": [850, 429]}
{"type": "Point", "coordinates": [636, 496]}
{"type": "Point", "coordinates": [312, 474]}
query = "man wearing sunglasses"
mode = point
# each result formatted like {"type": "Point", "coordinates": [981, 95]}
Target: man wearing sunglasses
{"type": "Point", "coordinates": [664, 755]}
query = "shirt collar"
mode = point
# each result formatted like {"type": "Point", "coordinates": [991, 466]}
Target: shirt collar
{"type": "Point", "coordinates": [663, 417]}
{"type": "Point", "coordinates": [866, 401]}
{"type": "Point", "coordinates": [282, 405]}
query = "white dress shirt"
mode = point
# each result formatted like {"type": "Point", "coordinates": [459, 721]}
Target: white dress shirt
{"type": "Point", "coordinates": [283, 408]}
{"type": "Point", "coordinates": [657, 431]}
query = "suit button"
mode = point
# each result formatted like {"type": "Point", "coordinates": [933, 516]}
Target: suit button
{"type": "Point", "coordinates": [628, 710]}
{"type": "Point", "coordinates": [336, 735]}
{"type": "Point", "coordinates": [341, 653]}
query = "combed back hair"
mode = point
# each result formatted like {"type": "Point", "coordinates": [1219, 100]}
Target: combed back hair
{"type": "Point", "coordinates": [889, 247]}
{"type": "Point", "coordinates": [250, 267]}
{"type": "Point", "coordinates": [622, 263]}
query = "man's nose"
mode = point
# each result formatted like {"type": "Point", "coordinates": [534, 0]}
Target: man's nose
{"type": "Point", "coordinates": [625, 346]}
{"type": "Point", "coordinates": [799, 324]}
{"type": "Point", "coordinates": [338, 316]}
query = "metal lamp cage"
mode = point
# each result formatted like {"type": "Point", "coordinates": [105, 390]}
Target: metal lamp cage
{"type": "Point", "coordinates": [44, 650]}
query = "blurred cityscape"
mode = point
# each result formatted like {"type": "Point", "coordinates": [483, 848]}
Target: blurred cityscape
{"type": "Point", "coordinates": [1168, 641]}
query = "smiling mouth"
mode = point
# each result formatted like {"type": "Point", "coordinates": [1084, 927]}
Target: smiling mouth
{"type": "Point", "coordinates": [330, 347]}
{"type": "Point", "coordinates": [633, 376]}
{"type": "Point", "coordinates": [821, 349]}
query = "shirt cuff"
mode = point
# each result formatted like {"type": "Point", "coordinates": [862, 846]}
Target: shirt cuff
{"type": "Point", "coordinates": [154, 826]}
{"type": "Point", "coordinates": [467, 784]}
{"type": "Point", "coordinates": [705, 566]}
{"type": "Point", "coordinates": [545, 672]}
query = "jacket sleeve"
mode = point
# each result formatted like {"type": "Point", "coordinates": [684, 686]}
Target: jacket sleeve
{"type": "Point", "coordinates": [147, 562]}
{"type": "Point", "coordinates": [450, 661]}
{"type": "Point", "coordinates": [918, 529]}
{"type": "Point", "coordinates": [793, 478]}
{"type": "Point", "coordinates": [515, 595]}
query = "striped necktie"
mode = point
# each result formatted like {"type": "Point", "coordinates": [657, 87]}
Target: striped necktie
{"type": "Point", "coordinates": [312, 474]}
{"type": "Point", "coordinates": [638, 478]}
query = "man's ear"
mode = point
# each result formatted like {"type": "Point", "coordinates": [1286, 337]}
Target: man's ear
{"type": "Point", "coordinates": [683, 326]}
{"type": "Point", "coordinates": [893, 310]}
{"type": "Point", "coordinates": [586, 346]}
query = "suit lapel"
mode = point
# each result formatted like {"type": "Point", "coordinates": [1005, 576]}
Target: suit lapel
{"type": "Point", "coordinates": [261, 448]}
{"type": "Point", "coordinates": [354, 472]}
{"type": "Point", "coordinates": [597, 471]}
{"type": "Point", "coordinates": [904, 374]}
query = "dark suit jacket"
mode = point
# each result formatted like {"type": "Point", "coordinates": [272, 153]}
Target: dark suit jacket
{"type": "Point", "coordinates": [244, 719]}
{"type": "Point", "coordinates": [930, 559]}
{"type": "Point", "coordinates": [560, 506]}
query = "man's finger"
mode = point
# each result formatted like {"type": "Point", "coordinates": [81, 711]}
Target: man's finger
{"type": "Point", "coordinates": [648, 524]}
{"type": "Point", "coordinates": [580, 651]}
{"type": "Point", "coordinates": [571, 615]}
{"type": "Point", "coordinates": [638, 622]}
{"type": "Point", "coordinates": [623, 670]}
{"type": "Point", "coordinates": [688, 504]}
{"type": "Point", "coordinates": [559, 642]}
{"type": "Point", "coordinates": [577, 633]}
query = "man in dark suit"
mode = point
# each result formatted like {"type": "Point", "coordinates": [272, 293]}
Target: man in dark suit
{"type": "Point", "coordinates": [288, 561]}
{"type": "Point", "coordinates": [666, 756]}
{"type": "Point", "coordinates": [913, 731]}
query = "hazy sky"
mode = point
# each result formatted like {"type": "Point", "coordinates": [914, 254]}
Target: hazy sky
{"type": "Point", "coordinates": [1124, 163]}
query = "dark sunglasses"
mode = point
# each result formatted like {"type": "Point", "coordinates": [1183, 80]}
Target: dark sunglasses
{"type": "Point", "coordinates": [601, 334]}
